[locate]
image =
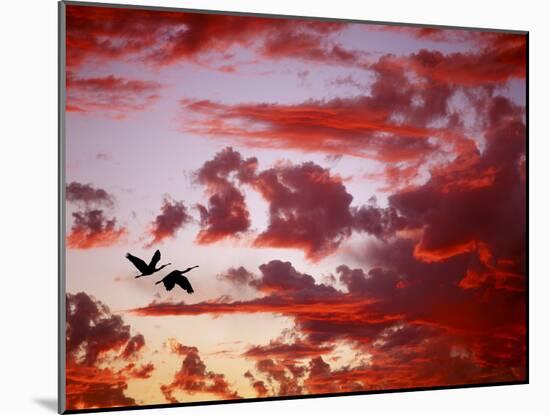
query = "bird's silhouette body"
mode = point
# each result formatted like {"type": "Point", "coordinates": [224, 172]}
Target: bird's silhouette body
{"type": "Point", "coordinates": [177, 278]}
{"type": "Point", "coordinates": [143, 267]}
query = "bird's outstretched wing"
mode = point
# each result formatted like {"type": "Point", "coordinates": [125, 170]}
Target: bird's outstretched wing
{"type": "Point", "coordinates": [138, 262]}
{"type": "Point", "coordinates": [184, 283]}
{"type": "Point", "coordinates": [155, 259]}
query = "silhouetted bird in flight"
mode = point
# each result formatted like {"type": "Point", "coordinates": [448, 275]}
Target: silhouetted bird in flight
{"type": "Point", "coordinates": [176, 278]}
{"type": "Point", "coordinates": [144, 268]}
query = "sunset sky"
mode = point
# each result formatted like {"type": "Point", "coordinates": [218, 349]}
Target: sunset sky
{"type": "Point", "coordinates": [354, 196]}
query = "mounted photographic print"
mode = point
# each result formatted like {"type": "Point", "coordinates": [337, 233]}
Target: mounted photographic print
{"type": "Point", "coordinates": [259, 207]}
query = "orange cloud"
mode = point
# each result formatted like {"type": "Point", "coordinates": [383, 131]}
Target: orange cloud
{"type": "Point", "coordinates": [193, 377]}
{"type": "Point", "coordinates": [402, 305]}
{"type": "Point", "coordinates": [95, 335]}
{"type": "Point", "coordinates": [92, 230]}
{"type": "Point", "coordinates": [90, 227]}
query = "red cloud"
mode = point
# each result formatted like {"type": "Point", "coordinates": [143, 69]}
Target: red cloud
{"type": "Point", "coordinates": [181, 349]}
{"type": "Point", "coordinates": [91, 229]}
{"type": "Point", "coordinates": [134, 345]}
{"type": "Point", "coordinates": [238, 276]}
{"type": "Point", "coordinates": [283, 374]}
{"type": "Point", "coordinates": [92, 387]}
{"type": "Point", "coordinates": [494, 57]}
{"type": "Point", "coordinates": [271, 304]}
{"type": "Point", "coordinates": [93, 335]}
{"type": "Point", "coordinates": [143, 372]}
{"type": "Point", "coordinates": [260, 388]}
{"type": "Point", "coordinates": [468, 205]}
{"type": "Point", "coordinates": [114, 96]}
{"type": "Point", "coordinates": [292, 294]}
{"type": "Point", "coordinates": [322, 379]}
{"type": "Point", "coordinates": [442, 305]}
{"type": "Point", "coordinates": [214, 33]}
{"type": "Point", "coordinates": [76, 192]}
{"type": "Point", "coordinates": [308, 45]}
{"type": "Point", "coordinates": [193, 377]}
{"type": "Point", "coordinates": [403, 121]}
{"type": "Point", "coordinates": [227, 214]}
{"type": "Point", "coordinates": [390, 124]}
{"type": "Point", "coordinates": [163, 37]}
{"type": "Point", "coordinates": [379, 283]}
{"type": "Point", "coordinates": [430, 362]}
{"type": "Point", "coordinates": [434, 34]}
{"type": "Point", "coordinates": [338, 126]}
{"type": "Point", "coordinates": [380, 222]}
{"type": "Point", "coordinates": [92, 31]}
{"type": "Point", "coordinates": [258, 385]}
{"type": "Point", "coordinates": [288, 351]}
{"type": "Point", "coordinates": [173, 217]}
{"type": "Point", "coordinates": [402, 357]}
{"type": "Point", "coordinates": [308, 209]}
{"type": "Point", "coordinates": [401, 302]}
{"type": "Point", "coordinates": [440, 242]}
{"type": "Point", "coordinates": [502, 59]}
{"type": "Point", "coordinates": [278, 276]}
